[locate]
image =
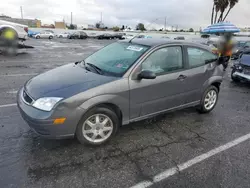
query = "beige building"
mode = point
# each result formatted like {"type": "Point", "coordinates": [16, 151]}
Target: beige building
{"type": "Point", "coordinates": [60, 25]}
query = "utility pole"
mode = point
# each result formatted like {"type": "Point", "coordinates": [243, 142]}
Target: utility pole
{"type": "Point", "coordinates": [21, 8]}
{"type": "Point", "coordinates": [165, 24]}
{"type": "Point", "coordinates": [71, 19]}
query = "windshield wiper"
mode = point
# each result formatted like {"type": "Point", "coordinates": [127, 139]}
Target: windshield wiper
{"type": "Point", "coordinates": [97, 69]}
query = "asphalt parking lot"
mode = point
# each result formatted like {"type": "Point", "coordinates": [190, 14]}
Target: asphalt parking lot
{"type": "Point", "coordinates": [139, 152]}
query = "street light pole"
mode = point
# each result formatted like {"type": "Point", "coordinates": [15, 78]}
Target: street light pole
{"type": "Point", "coordinates": [165, 23]}
{"type": "Point", "coordinates": [71, 18]}
{"type": "Point", "coordinates": [21, 8]}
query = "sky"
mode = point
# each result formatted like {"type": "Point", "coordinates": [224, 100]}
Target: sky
{"type": "Point", "coordinates": [178, 13]}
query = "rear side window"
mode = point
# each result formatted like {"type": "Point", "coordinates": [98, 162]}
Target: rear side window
{"type": "Point", "coordinates": [198, 57]}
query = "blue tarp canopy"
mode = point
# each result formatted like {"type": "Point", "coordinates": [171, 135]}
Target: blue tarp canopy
{"type": "Point", "coordinates": [222, 27]}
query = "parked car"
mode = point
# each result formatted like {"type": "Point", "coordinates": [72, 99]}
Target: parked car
{"type": "Point", "coordinates": [21, 30]}
{"type": "Point", "coordinates": [32, 33]}
{"type": "Point", "coordinates": [179, 38]}
{"type": "Point", "coordinates": [118, 35]}
{"type": "Point", "coordinates": [63, 35]}
{"type": "Point", "coordinates": [92, 35]}
{"type": "Point", "coordinates": [240, 47]}
{"type": "Point", "coordinates": [241, 68]}
{"type": "Point", "coordinates": [93, 97]}
{"type": "Point", "coordinates": [50, 31]}
{"type": "Point", "coordinates": [143, 36]}
{"type": "Point", "coordinates": [78, 35]}
{"type": "Point", "coordinates": [129, 36]}
{"type": "Point", "coordinates": [44, 35]}
{"type": "Point", "coordinates": [105, 36]}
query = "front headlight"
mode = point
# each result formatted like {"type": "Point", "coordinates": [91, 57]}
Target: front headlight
{"type": "Point", "coordinates": [46, 103]}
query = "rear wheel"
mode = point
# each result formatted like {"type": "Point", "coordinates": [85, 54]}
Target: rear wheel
{"type": "Point", "coordinates": [209, 99]}
{"type": "Point", "coordinates": [97, 126]}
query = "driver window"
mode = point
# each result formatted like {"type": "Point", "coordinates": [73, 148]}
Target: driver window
{"type": "Point", "coordinates": [164, 60]}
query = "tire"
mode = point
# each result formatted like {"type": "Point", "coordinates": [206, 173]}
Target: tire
{"type": "Point", "coordinates": [60, 36]}
{"type": "Point", "coordinates": [235, 79]}
{"type": "Point", "coordinates": [50, 37]}
{"type": "Point", "coordinates": [38, 37]}
{"type": "Point", "coordinates": [203, 108]}
{"type": "Point", "coordinates": [8, 41]}
{"type": "Point", "coordinates": [104, 113]}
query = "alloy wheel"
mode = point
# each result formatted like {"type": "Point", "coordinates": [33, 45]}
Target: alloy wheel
{"type": "Point", "coordinates": [210, 100]}
{"type": "Point", "coordinates": [97, 128]}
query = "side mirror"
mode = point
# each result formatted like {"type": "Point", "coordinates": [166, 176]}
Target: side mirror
{"type": "Point", "coordinates": [146, 74]}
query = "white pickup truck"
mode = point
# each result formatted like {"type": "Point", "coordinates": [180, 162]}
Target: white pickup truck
{"type": "Point", "coordinates": [22, 30]}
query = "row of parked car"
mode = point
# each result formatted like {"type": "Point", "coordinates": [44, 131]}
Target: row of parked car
{"type": "Point", "coordinates": [49, 34]}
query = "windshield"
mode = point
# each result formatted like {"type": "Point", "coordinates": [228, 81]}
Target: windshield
{"type": "Point", "coordinates": [115, 59]}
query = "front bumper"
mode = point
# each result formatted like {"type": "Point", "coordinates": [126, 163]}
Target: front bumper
{"type": "Point", "coordinates": [242, 75]}
{"type": "Point", "coordinates": [43, 122]}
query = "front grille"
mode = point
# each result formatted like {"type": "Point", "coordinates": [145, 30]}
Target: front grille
{"type": "Point", "coordinates": [27, 98]}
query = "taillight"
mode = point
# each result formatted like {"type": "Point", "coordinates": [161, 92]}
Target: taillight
{"type": "Point", "coordinates": [26, 29]}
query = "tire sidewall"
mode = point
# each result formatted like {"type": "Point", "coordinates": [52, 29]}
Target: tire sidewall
{"type": "Point", "coordinates": [97, 110]}
{"type": "Point", "coordinates": [202, 105]}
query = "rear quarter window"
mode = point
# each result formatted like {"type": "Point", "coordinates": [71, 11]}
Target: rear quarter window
{"type": "Point", "coordinates": [198, 57]}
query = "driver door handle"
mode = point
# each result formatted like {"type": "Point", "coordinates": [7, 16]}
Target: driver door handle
{"type": "Point", "coordinates": [182, 77]}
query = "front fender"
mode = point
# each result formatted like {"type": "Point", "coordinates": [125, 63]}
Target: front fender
{"type": "Point", "coordinates": [122, 102]}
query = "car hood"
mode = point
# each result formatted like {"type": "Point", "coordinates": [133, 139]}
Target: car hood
{"type": "Point", "coordinates": [64, 81]}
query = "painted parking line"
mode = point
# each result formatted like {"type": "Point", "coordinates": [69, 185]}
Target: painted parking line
{"type": "Point", "coordinates": [8, 105]}
{"type": "Point", "coordinates": [181, 167]}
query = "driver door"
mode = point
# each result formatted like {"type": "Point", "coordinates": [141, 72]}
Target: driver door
{"type": "Point", "coordinates": [167, 90]}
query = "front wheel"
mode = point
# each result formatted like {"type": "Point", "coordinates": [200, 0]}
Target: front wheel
{"type": "Point", "coordinates": [38, 37]}
{"type": "Point", "coordinates": [50, 37]}
{"type": "Point", "coordinates": [97, 126]}
{"type": "Point", "coordinates": [209, 100]}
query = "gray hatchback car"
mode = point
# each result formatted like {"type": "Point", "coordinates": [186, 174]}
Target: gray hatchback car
{"type": "Point", "coordinates": [123, 82]}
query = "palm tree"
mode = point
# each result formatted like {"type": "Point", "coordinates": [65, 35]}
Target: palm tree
{"type": "Point", "coordinates": [232, 4]}
{"type": "Point", "coordinates": [212, 17]}
{"type": "Point", "coordinates": [217, 9]}
{"type": "Point", "coordinates": [223, 6]}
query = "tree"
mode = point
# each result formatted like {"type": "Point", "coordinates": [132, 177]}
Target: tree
{"type": "Point", "coordinates": [116, 28]}
{"type": "Point", "coordinates": [140, 26]}
{"type": "Point", "coordinates": [191, 30]}
{"type": "Point", "coordinates": [219, 7]}
{"type": "Point", "coordinates": [223, 6]}
{"type": "Point", "coordinates": [97, 25]}
{"type": "Point", "coordinates": [232, 3]}
{"type": "Point", "coordinates": [71, 26]}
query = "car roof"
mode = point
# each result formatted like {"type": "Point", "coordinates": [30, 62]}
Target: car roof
{"type": "Point", "coordinates": [153, 42]}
